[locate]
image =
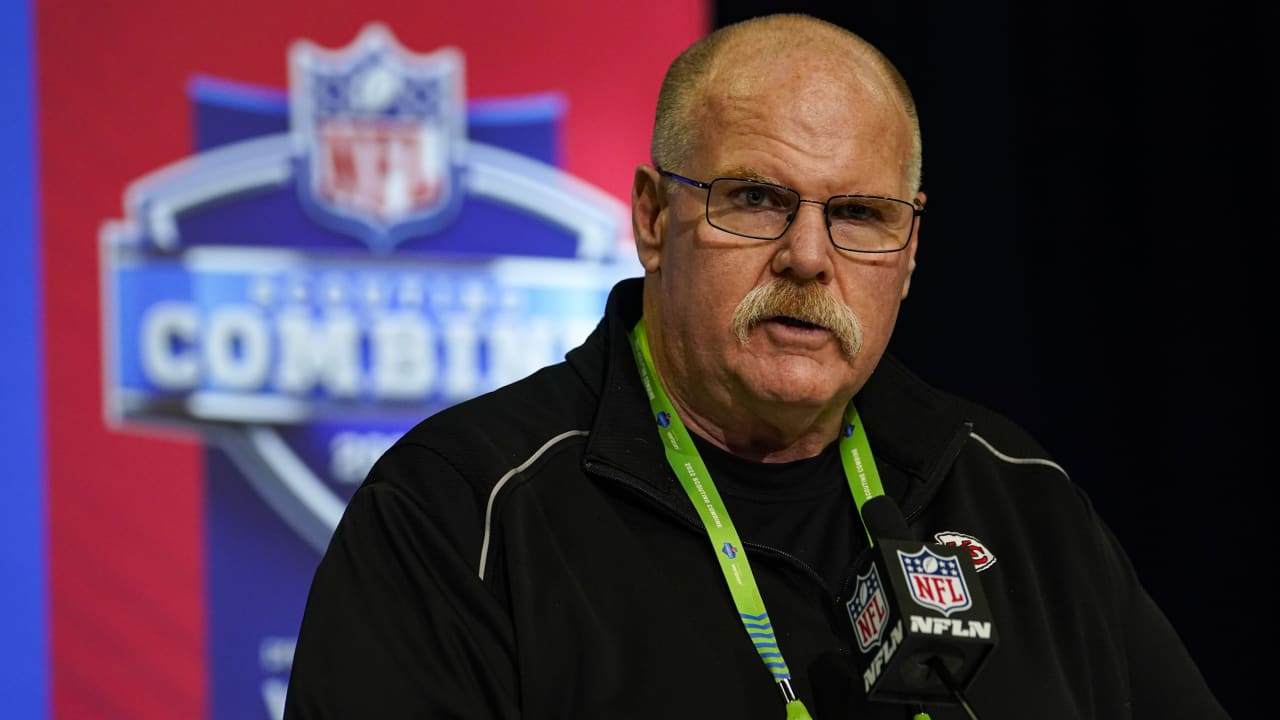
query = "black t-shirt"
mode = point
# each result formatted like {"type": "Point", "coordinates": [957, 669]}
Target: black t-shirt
{"type": "Point", "coordinates": [803, 508]}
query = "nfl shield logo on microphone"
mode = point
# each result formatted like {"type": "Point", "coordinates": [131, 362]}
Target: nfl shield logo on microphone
{"type": "Point", "coordinates": [935, 581]}
{"type": "Point", "coordinates": [868, 610]}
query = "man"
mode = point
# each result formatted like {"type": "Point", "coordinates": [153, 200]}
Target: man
{"type": "Point", "coordinates": [543, 551]}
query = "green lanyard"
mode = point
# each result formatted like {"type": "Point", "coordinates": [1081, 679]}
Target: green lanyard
{"type": "Point", "coordinates": [859, 468]}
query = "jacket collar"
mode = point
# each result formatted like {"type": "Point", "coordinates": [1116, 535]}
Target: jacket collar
{"type": "Point", "coordinates": [914, 429]}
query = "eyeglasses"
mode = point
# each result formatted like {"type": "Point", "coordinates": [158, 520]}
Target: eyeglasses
{"type": "Point", "coordinates": [764, 211]}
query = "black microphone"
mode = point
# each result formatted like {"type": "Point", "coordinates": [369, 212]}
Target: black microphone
{"type": "Point", "coordinates": [922, 626]}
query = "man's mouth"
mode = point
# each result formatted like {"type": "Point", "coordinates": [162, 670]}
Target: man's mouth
{"type": "Point", "coordinates": [795, 322]}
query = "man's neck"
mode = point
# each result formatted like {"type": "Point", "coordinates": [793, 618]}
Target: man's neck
{"type": "Point", "coordinates": [780, 433]}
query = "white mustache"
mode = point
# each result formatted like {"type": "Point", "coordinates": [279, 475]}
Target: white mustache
{"type": "Point", "coordinates": [809, 303]}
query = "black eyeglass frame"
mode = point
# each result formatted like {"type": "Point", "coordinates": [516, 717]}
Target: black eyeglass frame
{"type": "Point", "coordinates": [916, 209]}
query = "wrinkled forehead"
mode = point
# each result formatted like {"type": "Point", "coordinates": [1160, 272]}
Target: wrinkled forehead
{"type": "Point", "coordinates": [826, 100]}
{"type": "Point", "coordinates": [759, 63]}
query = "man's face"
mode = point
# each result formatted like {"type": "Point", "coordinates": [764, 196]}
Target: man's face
{"type": "Point", "coordinates": [804, 124]}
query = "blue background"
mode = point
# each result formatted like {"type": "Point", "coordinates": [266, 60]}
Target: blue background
{"type": "Point", "coordinates": [24, 687]}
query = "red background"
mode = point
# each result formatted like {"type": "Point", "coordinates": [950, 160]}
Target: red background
{"type": "Point", "coordinates": [125, 516]}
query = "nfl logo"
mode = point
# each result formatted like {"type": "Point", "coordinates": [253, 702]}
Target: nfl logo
{"type": "Point", "coordinates": [868, 610]}
{"type": "Point", "coordinates": [381, 132]}
{"type": "Point", "coordinates": [936, 581]}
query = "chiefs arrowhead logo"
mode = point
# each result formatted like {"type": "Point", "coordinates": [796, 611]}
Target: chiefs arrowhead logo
{"type": "Point", "coordinates": [981, 556]}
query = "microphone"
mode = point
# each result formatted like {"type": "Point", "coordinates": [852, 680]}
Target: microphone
{"type": "Point", "coordinates": [921, 622]}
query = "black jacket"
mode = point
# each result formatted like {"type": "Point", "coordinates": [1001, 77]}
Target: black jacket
{"type": "Point", "coordinates": [529, 554]}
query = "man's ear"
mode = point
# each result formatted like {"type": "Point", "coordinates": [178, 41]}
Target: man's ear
{"type": "Point", "coordinates": [648, 209]}
{"type": "Point", "coordinates": [910, 250]}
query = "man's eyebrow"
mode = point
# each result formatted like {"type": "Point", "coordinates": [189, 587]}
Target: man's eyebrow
{"type": "Point", "coordinates": [746, 173]}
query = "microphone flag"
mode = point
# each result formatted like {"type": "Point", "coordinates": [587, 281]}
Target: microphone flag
{"type": "Point", "coordinates": [914, 602]}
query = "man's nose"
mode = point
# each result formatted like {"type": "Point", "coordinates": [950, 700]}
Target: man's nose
{"type": "Point", "coordinates": [805, 251]}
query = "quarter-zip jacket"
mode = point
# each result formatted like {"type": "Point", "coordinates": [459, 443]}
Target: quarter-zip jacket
{"type": "Point", "coordinates": [530, 554]}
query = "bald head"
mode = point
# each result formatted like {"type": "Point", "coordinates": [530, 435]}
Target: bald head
{"type": "Point", "coordinates": [735, 58]}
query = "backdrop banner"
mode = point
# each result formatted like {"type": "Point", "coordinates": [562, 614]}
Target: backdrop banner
{"type": "Point", "coordinates": [312, 231]}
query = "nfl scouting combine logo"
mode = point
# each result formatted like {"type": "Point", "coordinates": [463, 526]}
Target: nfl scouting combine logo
{"type": "Point", "coordinates": [332, 264]}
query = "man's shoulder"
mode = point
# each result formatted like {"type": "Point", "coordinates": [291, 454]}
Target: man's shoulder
{"type": "Point", "coordinates": [478, 440]}
{"type": "Point", "coordinates": [999, 433]}
{"type": "Point", "coordinates": [990, 430]}
{"type": "Point", "coordinates": [509, 423]}
{"type": "Point", "coordinates": [553, 396]}
{"type": "Point", "coordinates": [444, 472]}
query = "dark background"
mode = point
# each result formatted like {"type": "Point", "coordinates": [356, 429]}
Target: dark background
{"type": "Point", "coordinates": [1101, 180]}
